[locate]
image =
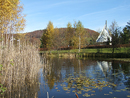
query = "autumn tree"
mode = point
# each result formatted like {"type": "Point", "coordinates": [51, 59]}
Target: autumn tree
{"type": "Point", "coordinates": [48, 36]}
{"type": "Point", "coordinates": [79, 34]}
{"type": "Point", "coordinates": [11, 18]}
{"type": "Point", "coordinates": [69, 34]}
{"type": "Point", "coordinates": [20, 38]}
{"type": "Point", "coordinates": [56, 39]}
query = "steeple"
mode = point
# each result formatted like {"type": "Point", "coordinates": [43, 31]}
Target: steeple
{"type": "Point", "coordinates": [104, 35]}
{"type": "Point", "coordinates": [106, 25]}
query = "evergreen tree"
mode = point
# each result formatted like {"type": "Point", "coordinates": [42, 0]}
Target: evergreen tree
{"type": "Point", "coordinates": [125, 36]}
{"type": "Point", "coordinates": [128, 26]}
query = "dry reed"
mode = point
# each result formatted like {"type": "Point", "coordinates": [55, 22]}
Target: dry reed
{"type": "Point", "coordinates": [20, 70]}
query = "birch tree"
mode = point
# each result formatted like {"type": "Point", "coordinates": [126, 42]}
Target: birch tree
{"type": "Point", "coordinates": [11, 18]}
{"type": "Point", "coordinates": [79, 33]}
{"type": "Point", "coordinates": [69, 34]}
{"type": "Point", "coordinates": [114, 29]}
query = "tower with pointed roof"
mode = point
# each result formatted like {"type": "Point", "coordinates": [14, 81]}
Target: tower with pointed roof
{"type": "Point", "coordinates": [104, 36]}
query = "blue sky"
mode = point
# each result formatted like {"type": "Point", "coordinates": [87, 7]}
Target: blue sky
{"type": "Point", "coordinates": [92, 13]}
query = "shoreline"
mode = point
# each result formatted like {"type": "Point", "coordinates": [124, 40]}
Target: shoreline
{"type": "Point", "coordinates": [99, 56]}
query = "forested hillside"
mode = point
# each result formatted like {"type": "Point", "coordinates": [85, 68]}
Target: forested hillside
{"type": "Point", "coordinates": [34, 36]}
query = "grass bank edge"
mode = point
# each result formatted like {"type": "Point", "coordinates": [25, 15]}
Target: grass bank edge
{"type": "Point", "coordinates": [98, 50]}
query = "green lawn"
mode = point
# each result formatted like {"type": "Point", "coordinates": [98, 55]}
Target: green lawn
{"type": "Point", "coordinates": [100, 50]}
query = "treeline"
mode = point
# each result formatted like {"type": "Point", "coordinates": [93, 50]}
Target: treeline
{"type": "Point", "coordinates": [75, 36]}
{"type": "Point", "coordinates": [119, 36]}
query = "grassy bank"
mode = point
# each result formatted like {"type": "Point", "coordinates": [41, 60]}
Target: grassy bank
{"type": "Point", "coordinates": [98, 50]}
{"type": "Point", "coordinates": [119, 53]}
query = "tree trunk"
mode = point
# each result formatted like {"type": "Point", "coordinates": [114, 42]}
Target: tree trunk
{"type": "Point", "coordinates": [113, 50]}
{"type": "Point", "coordinates": [79, 43]}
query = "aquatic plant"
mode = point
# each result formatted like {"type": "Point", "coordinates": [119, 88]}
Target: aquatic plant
{"type": "Point", "coordinates": [84, 85]}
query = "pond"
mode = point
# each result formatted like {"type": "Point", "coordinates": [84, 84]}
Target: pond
{"type": "Point", "coordinates": [63, 78]}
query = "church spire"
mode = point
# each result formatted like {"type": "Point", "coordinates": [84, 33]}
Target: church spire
{"type": "Point", "coordinates": [104, 35]}
{"type": "Point", "coordinates": [106, 25]}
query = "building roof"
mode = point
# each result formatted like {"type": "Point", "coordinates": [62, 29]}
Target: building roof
{"type": "Point", "coordinates": [104, 35]}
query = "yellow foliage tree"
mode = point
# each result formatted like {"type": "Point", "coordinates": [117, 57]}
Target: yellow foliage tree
{"type": "Point", "coordinates": [48, 36]}
{"type": "Point", "coordinates": [69, 34]}
{"type": "Point", "coordinates": [56, 39]}
{"type": "Point", "coordinates": [11, 18]}
{"type": "Point", "coordinates": [20, 37]}
{"type": "Point", "coordinates": [80, 34]}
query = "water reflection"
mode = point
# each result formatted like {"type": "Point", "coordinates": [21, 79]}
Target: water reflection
{"type": "Point", "coordinates": [62, 74]}
{"type": "Point", "coordinates": [64, 77]}
{"type": "Point", "coordinates": [105, 67]}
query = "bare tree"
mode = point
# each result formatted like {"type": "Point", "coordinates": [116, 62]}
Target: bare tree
{"type": "Point", "coordinates": [114, 30]}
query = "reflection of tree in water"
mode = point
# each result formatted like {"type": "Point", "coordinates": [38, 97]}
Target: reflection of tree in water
{"type": "Point", "coordinates": [117, 73]}
{"type": "Point", "coordinates": [110, 71]}
{"type": "Point", "coordinates": [52, 71]}
{"type": "Point", "coordinates": [126, 71]}
{"type": "Point", "coordinates": [59, 69]}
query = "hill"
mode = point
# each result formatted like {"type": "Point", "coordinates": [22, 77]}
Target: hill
{"type": "Point", "coordinates": [35, 36]}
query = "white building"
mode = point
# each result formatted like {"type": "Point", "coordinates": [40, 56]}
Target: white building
{"type": "Point", "coordinates": [104, 35]}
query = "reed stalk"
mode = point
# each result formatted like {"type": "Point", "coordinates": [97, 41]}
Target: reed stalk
{"type": "Point", "coordinates": [20, 70]}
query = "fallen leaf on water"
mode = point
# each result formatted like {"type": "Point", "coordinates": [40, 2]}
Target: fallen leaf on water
{"type": "Point", "coordinates": [93, 91]}
{"type": "Point", "coordinates": [56, 88]}
{"type": "Point", "coordinates": [106, 94]}
{"type": "Point", "coordinates": [65, 88]}
{"type": "Point", "coordinates": [86, 95]}
{"type": "Point", "coordinates": [123, 89]}
{"type": "Point", "coordinates": [110, 92]}
{"type": "Point", "coordinates": [74, 91]}
{"type": "Point", "coordinates": [79, 92]}
{"type": "Point", "coordinates": [93, 94]}
{"type": "Point", "coordinates": [117, 90]}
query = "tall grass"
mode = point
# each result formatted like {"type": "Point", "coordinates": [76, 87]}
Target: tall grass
{"type": "Point", "coordinates": [20, 67]}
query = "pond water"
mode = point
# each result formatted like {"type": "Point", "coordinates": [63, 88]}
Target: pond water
{"type": "Point", "coordinates": [63, 78]}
